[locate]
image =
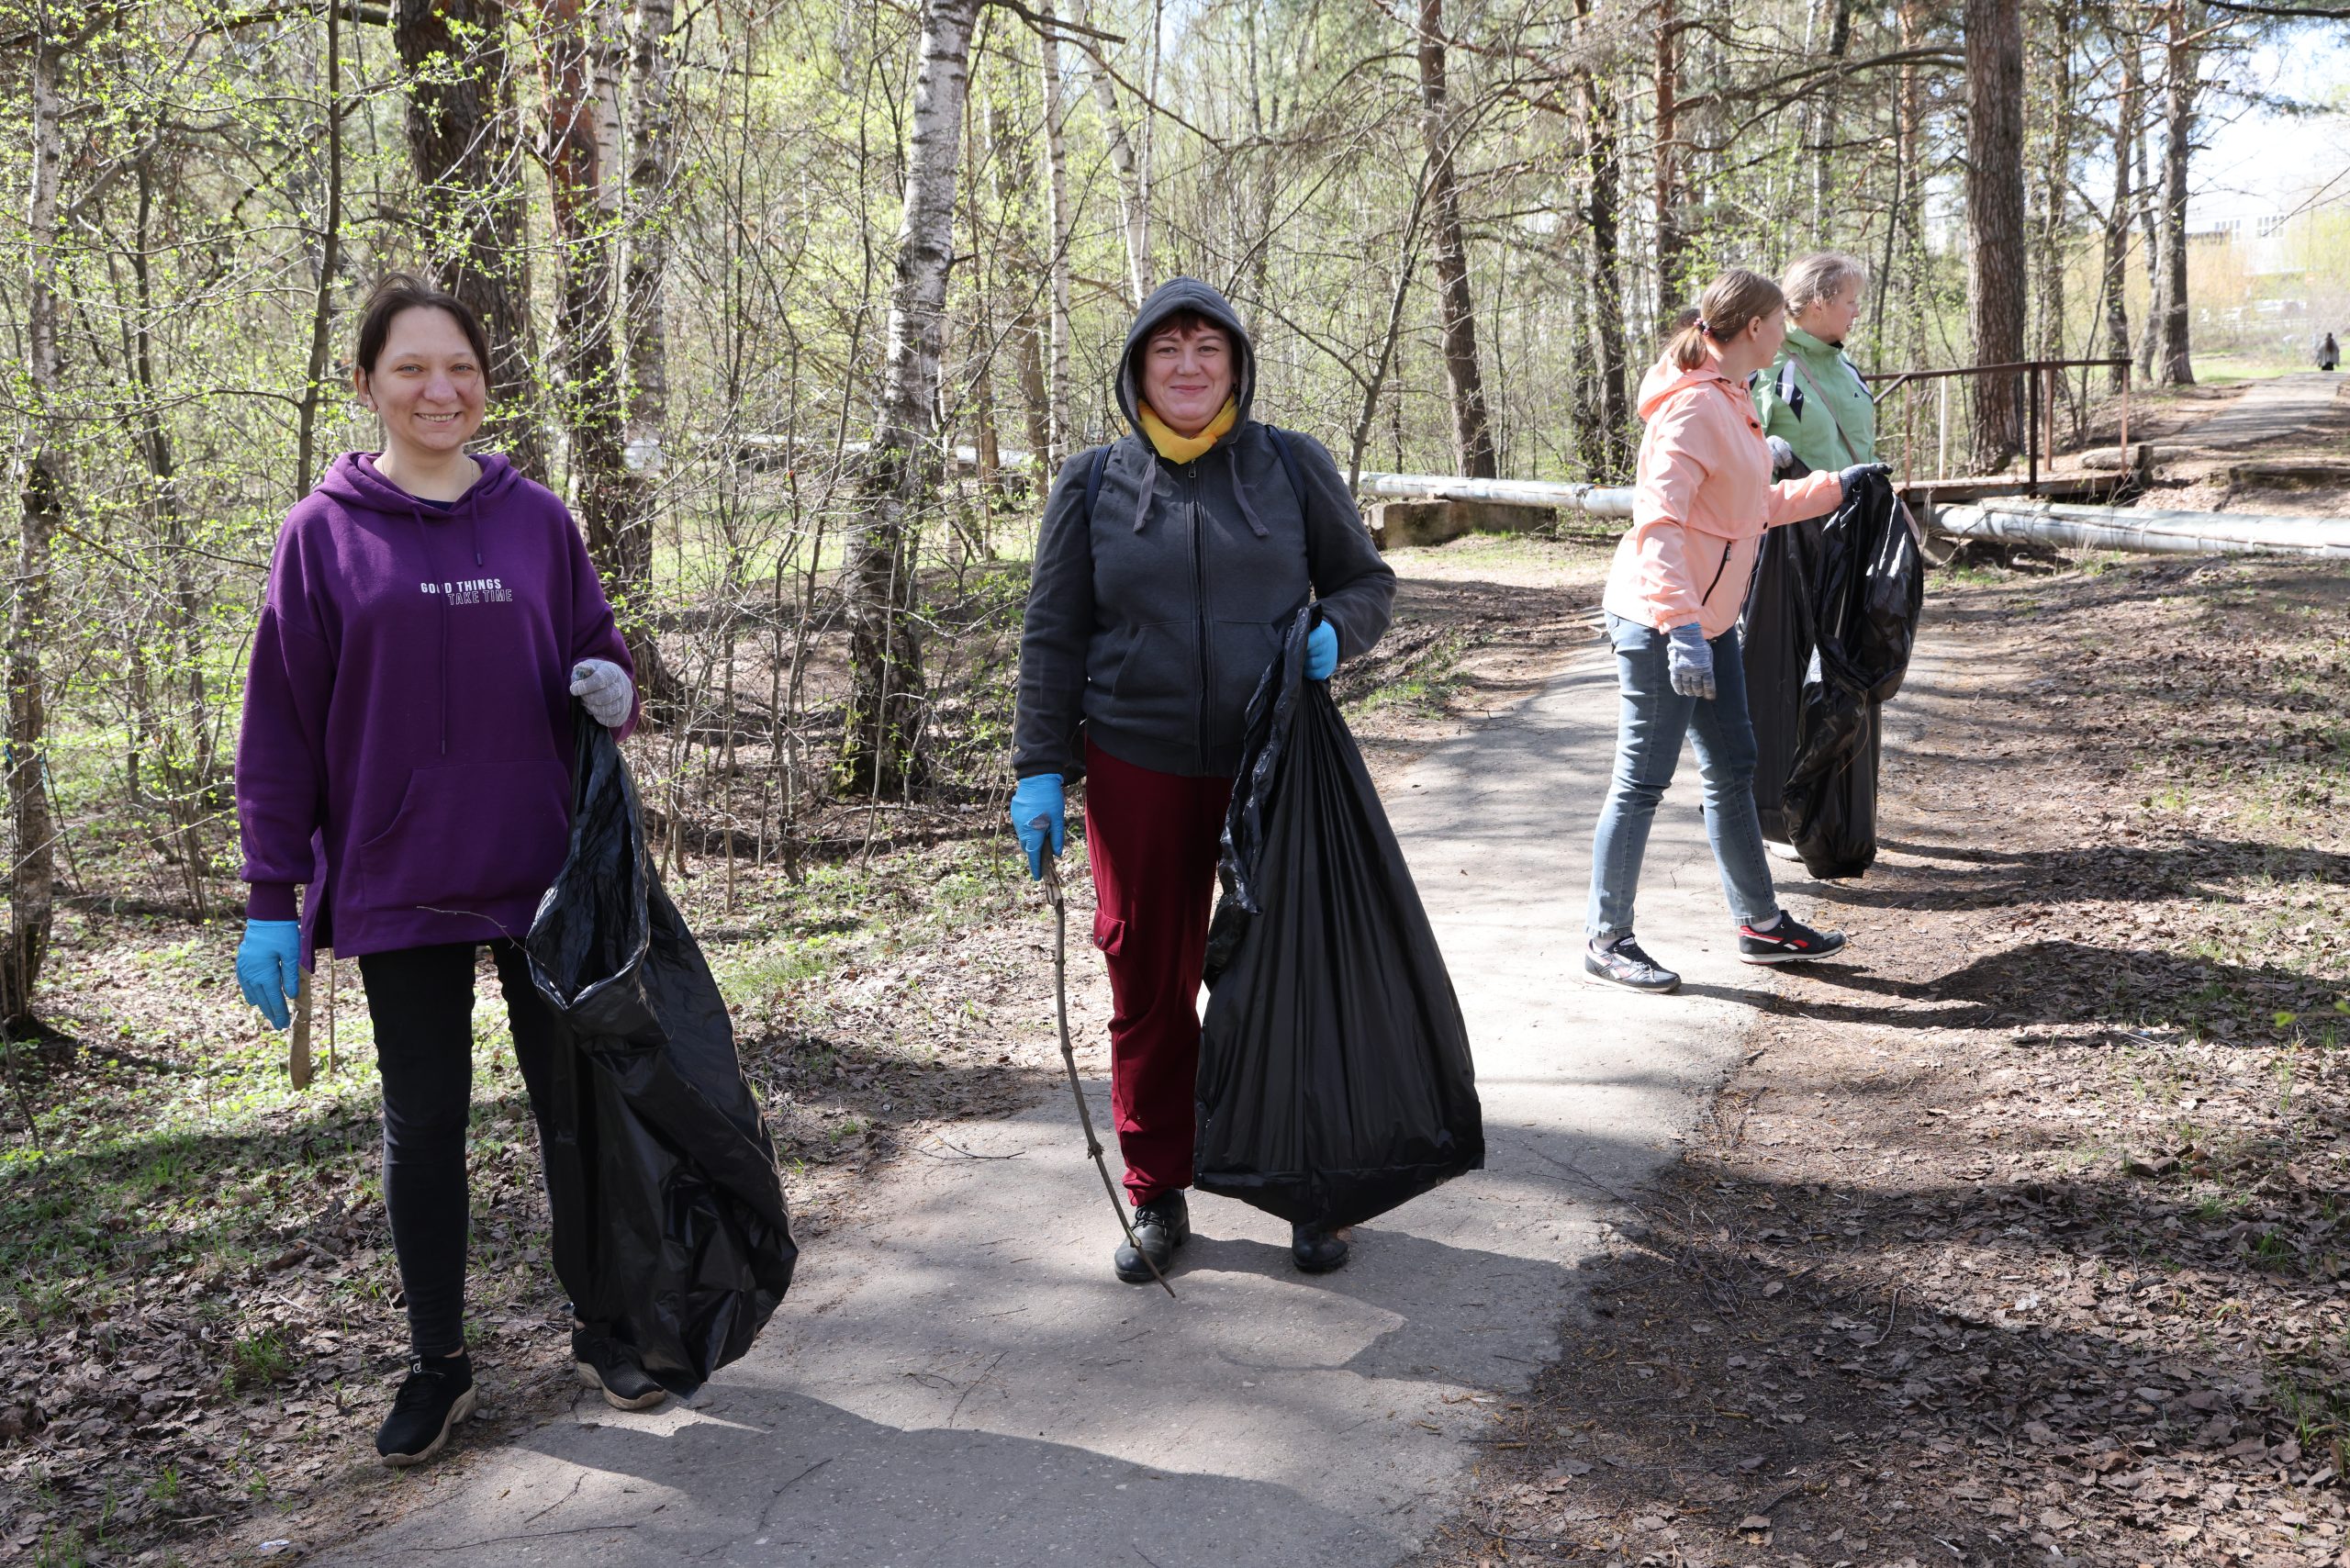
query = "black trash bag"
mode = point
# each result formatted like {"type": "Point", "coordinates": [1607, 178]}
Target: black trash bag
{"type": "Point", "coordinates": [1334, 1074]}
{"type": "Point", "coordinates": [1775, 643]}
{"type": "Point", "coordinates": [670, 1230]}
{"type": "Point", "coordinates": [1866, 595]}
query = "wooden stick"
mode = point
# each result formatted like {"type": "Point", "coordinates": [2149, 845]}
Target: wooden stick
{"type": "Point", "coordinates": [297, 1044]}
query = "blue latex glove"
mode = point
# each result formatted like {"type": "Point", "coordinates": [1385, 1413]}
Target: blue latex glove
{"type": "Point", "coordinates": [1857, 469]}
{"type": "Point", "coordinates": [1039, 810]}
{"type": "Point", "coordinates": [1321, 652]}
{"type": "Point", "coordinates": [1690, 659]}
{"type": "Point", "coordinates": [268, 967]}
{"type": "Point", "coordinates": [604, 689]}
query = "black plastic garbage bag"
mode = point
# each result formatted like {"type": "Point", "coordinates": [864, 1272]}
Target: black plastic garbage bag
{"type": "Point", "coordinates": [1865, 596]}
{"type": "Point", "coordinates": [670, 1229]}
{"type": "Point", "coordinates": [1774, 642]}
{"type": "Point", "coordinates": [1334, 1074]}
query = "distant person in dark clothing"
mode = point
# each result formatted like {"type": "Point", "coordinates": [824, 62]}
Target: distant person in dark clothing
{"type": "Point", "coordinates": [2328, 356]}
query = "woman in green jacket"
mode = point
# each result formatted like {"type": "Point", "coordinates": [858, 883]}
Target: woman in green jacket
{"type": "Point", "coordinates": [1812, 398]}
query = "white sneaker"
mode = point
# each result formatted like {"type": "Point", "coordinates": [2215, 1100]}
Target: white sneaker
{"type": "Point", "coordinates": [1783, 851]}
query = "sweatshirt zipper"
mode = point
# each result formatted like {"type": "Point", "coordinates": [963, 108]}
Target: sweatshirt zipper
{"type": "Point", "coordinates": [1708, 597]}
{"type": "Point", "coordinates": [1200, 608]}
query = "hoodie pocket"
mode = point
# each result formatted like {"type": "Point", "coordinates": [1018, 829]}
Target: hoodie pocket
{"type": "Point", "coordinates": [1244, 650]}
{"type": "Point", "coordinates": [470, 835]}
{"type": "Point", "coordinates": [1154, 688]}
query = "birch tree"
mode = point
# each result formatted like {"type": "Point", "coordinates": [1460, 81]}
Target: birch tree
{"type": "Point", "coordinates": [883, 750]}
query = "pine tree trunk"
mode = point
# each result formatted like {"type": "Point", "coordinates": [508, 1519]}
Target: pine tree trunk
{"type": "Point", "coordinates": [882, 752]}
{"type": "Point", "coordinates": [31, 865]}
{"type": "Point", "coordinates": [1995, 223]}
{"type": "Point", "coordinates": [1472, 436]}
{"type": "Point", "coordinates": [2182, 84]}
{"type": "Point", "coordinates": [461, 135]}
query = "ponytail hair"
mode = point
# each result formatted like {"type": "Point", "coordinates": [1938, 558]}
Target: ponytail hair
{"type": "Point", "coordinates": [1731, 303]}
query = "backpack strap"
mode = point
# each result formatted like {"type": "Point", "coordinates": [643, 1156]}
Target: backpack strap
{"type": "Point", "coordinates": [1289, 462]}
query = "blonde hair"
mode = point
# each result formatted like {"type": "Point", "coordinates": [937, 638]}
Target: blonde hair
{"type": "Point", "coordinates": [1822, 277]}
{"type": "Point", "coordinates": [1730, 304]}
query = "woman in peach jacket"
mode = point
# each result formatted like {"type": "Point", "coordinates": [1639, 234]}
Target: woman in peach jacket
{"type": "Point", "coordinates": [1704, 498]}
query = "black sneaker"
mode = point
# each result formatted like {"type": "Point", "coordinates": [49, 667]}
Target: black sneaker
{"type": "Point", "coordinates": [1315, 1250]}
{"type": "Point", "coordinates": [437, 1393]}
{"type": "Point", "coordinates": [1621, 962]}
{"type": "Point", "coordinates": [612, 1369]}
{"type": "Point", "coordinates": [1160, 1226]}
{"type": "Point", "coordinates": [1789, 941]}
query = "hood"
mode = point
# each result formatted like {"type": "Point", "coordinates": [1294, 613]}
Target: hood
{"type": "Point", "coordinates": [351, 481]}
{"type": "Point", "coordinates": [1186, 294]}
{"type": "Point", "coordinates": [1665, 379]}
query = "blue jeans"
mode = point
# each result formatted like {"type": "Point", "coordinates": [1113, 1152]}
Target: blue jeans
{"type": "Point", "coordinates": [1649, 728]}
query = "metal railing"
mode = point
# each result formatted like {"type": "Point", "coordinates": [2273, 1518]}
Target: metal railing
{"type": "Point", "coordinates": [2039, 411]}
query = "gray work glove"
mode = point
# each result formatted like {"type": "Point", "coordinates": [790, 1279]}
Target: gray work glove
{"type": "Point", "coordinates": [1690, 659]}
{"type": "Point", "coordinates": [605, 691]}
{"type": "Point", "coordinates": [1857, 469]}
{"type": "Point", "coordinates": [1783, 457]}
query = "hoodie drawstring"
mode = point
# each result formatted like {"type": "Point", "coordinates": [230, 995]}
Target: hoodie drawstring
{"type": "Point", "coordinates": [1145, 483]}
{"type": "Point", "coordinates": [1146, 486]}
{"type": "Point", "coordinates": [1240, 495]}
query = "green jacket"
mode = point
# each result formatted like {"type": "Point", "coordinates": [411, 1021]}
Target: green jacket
{"type": "Point", "coordinates": [1813, 398]}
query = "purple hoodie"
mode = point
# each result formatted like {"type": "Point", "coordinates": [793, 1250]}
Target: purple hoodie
{"type": "Point", "coordinates": [407, 741]}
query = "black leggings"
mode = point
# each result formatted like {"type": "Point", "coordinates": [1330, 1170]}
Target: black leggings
{"type": "Point", "coordinates": [421, 1000]}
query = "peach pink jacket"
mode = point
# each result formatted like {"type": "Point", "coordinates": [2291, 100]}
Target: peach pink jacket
{"type": "Point", "coordinates": [1703, 498]}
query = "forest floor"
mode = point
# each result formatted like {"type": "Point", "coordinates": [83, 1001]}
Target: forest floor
{"type": "Point", "coordinates": [199, 1316]}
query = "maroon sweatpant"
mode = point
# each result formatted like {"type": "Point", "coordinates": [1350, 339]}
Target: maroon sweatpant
{"type": "Point", "coordinates": [1152, 838]}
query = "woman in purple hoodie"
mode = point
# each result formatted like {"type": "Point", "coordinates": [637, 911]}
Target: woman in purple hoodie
{"type": "Point", "coordinates": [406, 758]}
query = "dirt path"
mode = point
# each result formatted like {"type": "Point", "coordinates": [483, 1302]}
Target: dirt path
{"type": "Point", "coordinates": [2282, 409]}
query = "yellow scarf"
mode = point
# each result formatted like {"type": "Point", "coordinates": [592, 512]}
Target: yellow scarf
{"type": "Point", "coordinates": [1184, 448]}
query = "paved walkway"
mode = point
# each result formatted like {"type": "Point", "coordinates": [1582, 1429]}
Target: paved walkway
{"type": "Point", "coordinates": [2283, 405]}
{"type": "Point", "coordinates": [959, 1381]}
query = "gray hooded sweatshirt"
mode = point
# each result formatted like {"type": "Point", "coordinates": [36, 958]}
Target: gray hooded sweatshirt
{"type": "Point", "coordinates": [1151, 621]}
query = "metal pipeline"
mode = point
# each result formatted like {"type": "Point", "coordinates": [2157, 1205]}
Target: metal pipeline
{"type": "Point", "coordinates": [1595, 501]}
{"type": "Point", "coordinates": [2074, 527]}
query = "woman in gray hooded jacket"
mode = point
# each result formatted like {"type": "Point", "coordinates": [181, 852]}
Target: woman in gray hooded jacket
{"type": "Point", "coordinates": [1168, 566]}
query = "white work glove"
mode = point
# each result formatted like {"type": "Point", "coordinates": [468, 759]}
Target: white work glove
{"type": "Point", "coordinates": [604, 689]}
